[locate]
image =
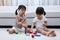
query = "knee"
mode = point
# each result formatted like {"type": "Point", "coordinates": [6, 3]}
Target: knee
{"type": "Point", "coordinates": [39, 30]}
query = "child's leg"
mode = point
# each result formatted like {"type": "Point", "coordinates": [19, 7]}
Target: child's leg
{"type": "Point", "coordinates": [51, 32]}
{"type": "Point", "coordinates": [42, 31]}
{"type": "Point", "coordinates": [11, 31]}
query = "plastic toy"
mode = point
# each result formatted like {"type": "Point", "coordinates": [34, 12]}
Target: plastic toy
{"type": "Point", "coordinates": [33, 32]}
{"type": "Point", "coordinates": [30, 32]}
{"type": "Point", "coordinates": [21, 31]}
{"type": "Point", "coordinates": [37, 35]}
{"type": "Point", "coordinates": [20, 22]}
{"type": "Point", "coordinates": [16, 32]}
{"type": "Point", "coordinates": [27, 34]}
{"type": "Point", "coordinates": [32, 36]}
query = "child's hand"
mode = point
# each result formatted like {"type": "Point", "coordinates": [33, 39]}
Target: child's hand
{"type": "Point", "coordinates": [46, 28]}
{"type": "Point", "coordinates": [44, 24]}
{"type": "Point", "coordinates": [31, 29]}
{"type": "Point", "coordinates": [25, 25]}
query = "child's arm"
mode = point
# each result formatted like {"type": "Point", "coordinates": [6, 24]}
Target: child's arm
{"type": "Point", "coordinates": [25, 23]}
{"type": "Point", "coordinates": [45, 24]}
{"type": "Point", "coordinates": [17, 20]}
{"type": "Point", "coordinates": [33, 24]}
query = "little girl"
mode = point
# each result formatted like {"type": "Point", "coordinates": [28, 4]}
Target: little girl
{"type": "Point", "coordinates": [40, 22]}
{"type": "Point", "coordinates": [20, 16]}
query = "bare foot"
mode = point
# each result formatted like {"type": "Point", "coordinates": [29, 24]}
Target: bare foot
{"type": "Point", "coordinates": [11, 31]}
{"type": "Point", "coordinates": [52, 34]}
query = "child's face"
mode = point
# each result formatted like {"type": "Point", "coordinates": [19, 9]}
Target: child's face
{"type": "Point", "coordinates": [21, 12]}
{"type": "Point", "coordinates": [39, 16]}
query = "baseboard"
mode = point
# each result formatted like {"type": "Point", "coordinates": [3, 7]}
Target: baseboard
{"type": "Point", "coordinates": [10, 26]}
{"type": "Point", "coordinates": [5, 26]}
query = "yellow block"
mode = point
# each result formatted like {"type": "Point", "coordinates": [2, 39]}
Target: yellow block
{"type": "Point", "coordinates": [20, 22]}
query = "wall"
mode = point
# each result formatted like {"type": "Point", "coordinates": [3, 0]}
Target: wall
{"type": "Point", "coordinates": [7, 15]}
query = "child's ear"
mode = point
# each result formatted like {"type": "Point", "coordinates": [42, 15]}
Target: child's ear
{"type": "Point", "coordinates": [18, 10]}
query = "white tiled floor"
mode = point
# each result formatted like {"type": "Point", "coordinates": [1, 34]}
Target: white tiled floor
{"type": "Point", "coordinates": [5, 36]}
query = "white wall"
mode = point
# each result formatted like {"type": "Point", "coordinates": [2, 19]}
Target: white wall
{"type": "Point", "coordinates": [7, 14]}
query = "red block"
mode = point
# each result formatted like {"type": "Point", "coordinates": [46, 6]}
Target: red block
{"type": "Point", "coordinates": [35, 32]}
{"type": "Point", "coordinates": [20, 20]}
{"type": "Point", "coordinates": [32, 36]}
{"type": "Point", "coordinates": [20, 23]}
{"type": "Point", "coordinates": [30, 32]}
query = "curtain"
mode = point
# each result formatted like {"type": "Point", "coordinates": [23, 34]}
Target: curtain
{"type": "Point", "coordinates": [14, 2]}
{"type": "Point", "coordinates": [1, 3]}
{"type": "Point", "coordinates": [5, 2]}
{"type": "Point", "coordinates": [29, 2]}
{"type": "Point", "coordinates": [50, 2]}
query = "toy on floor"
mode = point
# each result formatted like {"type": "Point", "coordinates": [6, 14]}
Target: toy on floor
{"type": "Point", "coordinates": [20, 22]}
{"type": "Point", "coordinates": [16, 32]}
{"type": "Point", "coordinates": [21, 31]}
{"type": "Point", "coordinates": [33, 34]}
{"type": "Point", "coordinates": [27, 34]}
{"type": "Point", "coordinates": [38, 35]}
{"type": "Point", "coordinates": [21, 25]}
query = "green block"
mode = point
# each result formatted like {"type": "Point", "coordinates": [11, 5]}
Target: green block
{"type": "Point", "coordinates": [27, 34]}
{"type": "Point", "coordinates": [20, 29]}
{"type": "Point", "coordinates": [20, 32]}
{"type": "Point", "coordinates": [16, 32]}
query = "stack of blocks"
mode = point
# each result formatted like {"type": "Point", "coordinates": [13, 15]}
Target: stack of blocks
{"type": "Point", "coordinates": [27, 34]}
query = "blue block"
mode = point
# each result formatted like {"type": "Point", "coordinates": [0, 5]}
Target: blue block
{"type": "Point", "coordinates": [37, 35]}
{"type": "Point", "coordinates": [25, 30]}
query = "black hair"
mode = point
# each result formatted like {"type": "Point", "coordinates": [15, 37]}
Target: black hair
{"type": "Point", "coordinates": [44, 13]}
{"type": "Point", "coordinates": [20, 7]}
{"type": "Point", "coordinates": [40, 10]}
